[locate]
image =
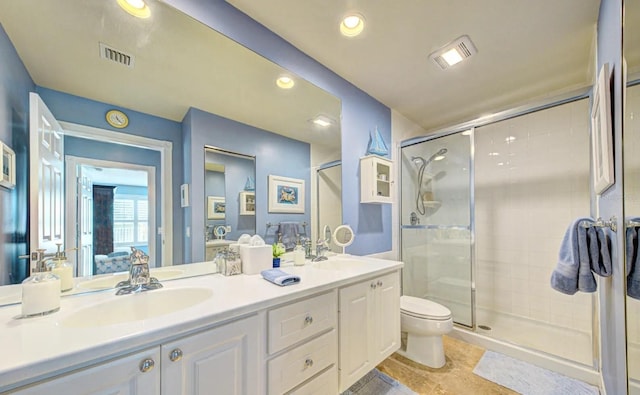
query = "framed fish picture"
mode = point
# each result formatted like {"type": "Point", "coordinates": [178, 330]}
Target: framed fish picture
{"type": "Point", "coordinates": [286, 195]}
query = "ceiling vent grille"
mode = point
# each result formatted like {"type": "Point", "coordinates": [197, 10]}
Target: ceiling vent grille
{"type": "Point", "coordinates": [117, 56]}
{"type": "Point", "coordinates": [454, 52]}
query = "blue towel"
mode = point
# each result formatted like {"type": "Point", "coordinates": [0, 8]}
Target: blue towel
{"type": "Point", "coordinates": [279, 277]}
{"type": "Point", "coordinates": [573, 271]}
{"type": "Point", "coordinates": [633, 261]}
{"type": "Point", "coordinates": [289, 234]}
{"type": "Point", "coordinates": [600, 248]}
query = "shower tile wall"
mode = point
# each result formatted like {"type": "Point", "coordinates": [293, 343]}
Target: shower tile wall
{"type": "Point", "coordinates": [632, 209]}
{"type": "Point", "coordinates": [531, 181]}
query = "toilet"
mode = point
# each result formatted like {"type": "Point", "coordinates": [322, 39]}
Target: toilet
{"type": "Point", "coordinates": [425, 322]}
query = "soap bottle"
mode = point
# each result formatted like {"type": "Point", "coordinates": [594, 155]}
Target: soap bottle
{"type": "Point", "coordinates": [298, 254]}
{"type": "Point", "coordinates": [63, 269]}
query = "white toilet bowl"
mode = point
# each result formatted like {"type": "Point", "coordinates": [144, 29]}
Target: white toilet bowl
{"type": "Point", "coordinates": [425, 322]}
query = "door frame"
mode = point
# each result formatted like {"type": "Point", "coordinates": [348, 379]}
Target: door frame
{"type": "Point", "coordinates": [166, 176]}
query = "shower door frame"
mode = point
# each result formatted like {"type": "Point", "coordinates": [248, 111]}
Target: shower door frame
{"type": "Point", "coordinates": [420, 140]}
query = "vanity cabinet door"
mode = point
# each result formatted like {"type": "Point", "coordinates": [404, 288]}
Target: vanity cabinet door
{"type": "Point", "coordinates": [222, 360]}
{"type": "Point", "coordinates": [369, 326]}
{"type": "Point", "coordinates": [136, 374]}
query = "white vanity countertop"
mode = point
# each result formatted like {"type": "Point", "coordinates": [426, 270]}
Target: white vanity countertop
{"type": "Point", "coordinates": [37, 348]}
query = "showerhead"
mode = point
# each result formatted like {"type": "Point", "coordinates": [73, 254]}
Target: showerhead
{"type": "Point", "coordinates": [421, 162]}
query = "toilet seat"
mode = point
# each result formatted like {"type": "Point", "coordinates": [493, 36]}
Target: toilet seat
{"type": "Point", "coordinates": [423, 308]}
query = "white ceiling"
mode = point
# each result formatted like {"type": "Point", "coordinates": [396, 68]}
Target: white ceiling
{"type": "Point", "coordinates": [526, 50]}
{"type": "Point", "coordinates": [179, 63]}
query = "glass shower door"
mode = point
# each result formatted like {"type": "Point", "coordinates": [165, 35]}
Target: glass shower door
{"type": "Point", "coordinates": [436, 223]}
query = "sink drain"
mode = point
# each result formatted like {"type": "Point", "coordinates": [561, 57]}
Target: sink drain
{"type": "Point", "coordinates": [484, 327]}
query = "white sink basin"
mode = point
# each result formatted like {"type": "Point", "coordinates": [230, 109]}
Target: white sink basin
{"type": "Point", "coordinates": [137, 307]}
{"type": "Point", "coordinates": [339, 264]}
{"type": "Point", "coordinates": [110, 281]}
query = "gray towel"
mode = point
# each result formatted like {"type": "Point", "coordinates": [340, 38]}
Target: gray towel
{"type": "Point", "coordinates": [633, 262]}
{"type": "Point", "coordinates": [600, 250]}
{"type": "Point", "coordinates": [573, 271]}
{"type": "Point", "coordinates": [289, 234]}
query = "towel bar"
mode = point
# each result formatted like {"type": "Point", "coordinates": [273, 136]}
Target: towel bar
{"type": "Point", "coordinates": [600, 223]}
{"type": "Point", "coordinates": [632, 224]}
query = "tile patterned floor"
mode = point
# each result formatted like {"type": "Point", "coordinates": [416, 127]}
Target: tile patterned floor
{"type": "Point", "coordinates": [454, 378]}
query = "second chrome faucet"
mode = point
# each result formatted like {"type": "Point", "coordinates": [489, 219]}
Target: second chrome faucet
{"type": "Point", "coordinates": [139, 277]}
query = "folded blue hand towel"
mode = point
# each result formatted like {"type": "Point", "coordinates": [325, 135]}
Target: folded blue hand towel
{"type": "Point", "coordinates": [633, 262]}
{"type": "Point", "coordinates": [279, 277]}
{"type": "Point", "coordinates": [601, 251]}
{"type": "Point", "coordinates": [573, 272]}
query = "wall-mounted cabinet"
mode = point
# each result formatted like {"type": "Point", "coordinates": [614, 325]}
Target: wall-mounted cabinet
{"type": "Point", "coordinates": [376, 179]}
{"type": "Point", "coordinates": [247, 203]}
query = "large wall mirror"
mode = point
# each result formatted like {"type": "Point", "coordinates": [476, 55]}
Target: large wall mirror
{"type": "Point", "coordinates": [631, 52]}
{"type": "Point", "coordinates": [86, 58]}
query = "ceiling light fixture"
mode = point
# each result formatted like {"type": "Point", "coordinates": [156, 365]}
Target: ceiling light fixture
{"type": "Point", "coordinates": [137, 8]}
{"type": "Point", "coordinates": [454, 52]}
{"type": "Point", "coordinates": [322, 121]}
{"type": "Point", "coordinates": [352, 25]}
{"type": "Point", "coordinates": [285, 82]}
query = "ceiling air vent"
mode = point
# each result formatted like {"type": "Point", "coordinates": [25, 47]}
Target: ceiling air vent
{"type": "Point", "coordinates": [454, 52]}
{"type": "Point", "coordinates": [114, 55]}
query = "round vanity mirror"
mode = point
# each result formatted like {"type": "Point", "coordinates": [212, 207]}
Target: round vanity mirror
{"type": "Point", "coordinates": [343, 236]}
{"type": "Point", "coordinates": [220, 231]}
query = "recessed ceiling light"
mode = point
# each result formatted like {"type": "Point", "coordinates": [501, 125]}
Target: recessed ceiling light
{"type": "Point", "coordinates": [285, 82]}
{"type": "Point", "coordinates": [510, 139]}
{"type": "Point", "coordinates": [352, 25]}
{"type": "Point", "coordinates": [439, 157]}
{"type": "Point", "coordinates": [322, 121]}
{"type": "Point", "coordinates": [454, 52]}
{"type": "Point", "coordinates": [137, 8]}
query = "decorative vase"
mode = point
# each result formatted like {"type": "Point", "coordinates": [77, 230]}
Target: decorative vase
{"type": "Point", "coordinates": [276, 262]}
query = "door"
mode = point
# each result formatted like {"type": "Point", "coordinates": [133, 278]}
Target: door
{"type": "Point", "coordinates": [356, 332]}
{"type": "Point", "coordinates": [136, 374]}
{"type": "Point", "coordinates": [84, 223]}
{"type": "Point", "coordinates": [46, 175]}
{"type": "Point", "coordinates": [387, 305]}
{"type": "Point", "coordinates": [223, 360]}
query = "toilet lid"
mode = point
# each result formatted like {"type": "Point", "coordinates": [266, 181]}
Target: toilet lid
{"type": "Point", "coordinates": [418, 307]}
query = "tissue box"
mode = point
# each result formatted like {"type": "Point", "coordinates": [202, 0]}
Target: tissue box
{"type": "Point", "coordinates": [255, 258]}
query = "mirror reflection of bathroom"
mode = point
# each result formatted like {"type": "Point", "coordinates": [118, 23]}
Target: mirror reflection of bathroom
{"type": "Point", "coordinates": [329, 184]}
{"type": "Point", "coordinates": [229, 198]}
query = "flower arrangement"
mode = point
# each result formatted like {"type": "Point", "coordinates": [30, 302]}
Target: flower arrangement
{"type": "Point", "coordinates": [277, 249]}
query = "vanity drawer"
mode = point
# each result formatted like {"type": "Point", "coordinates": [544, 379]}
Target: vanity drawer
{"type": "Point", "coordinates": [295, 322]}
{"type": "Point", "coordinates": [325, 383]}
{"type": "Point", "coordinates": [298, 365]}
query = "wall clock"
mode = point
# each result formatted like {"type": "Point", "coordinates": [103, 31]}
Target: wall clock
{"type": "Point", "coordinates": [117, 119]}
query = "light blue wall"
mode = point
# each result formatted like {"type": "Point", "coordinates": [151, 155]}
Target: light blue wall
{"type": "Point", "coordinates": [274, 154]}
{"type": "Point", "coordinates": [360, 113]}
{"type": "Point", "coordinates": [612, 289]}
{"type": "Point", "coordinates": [75, 109]}
{"type": "Point", "coordinates": [15, 85]}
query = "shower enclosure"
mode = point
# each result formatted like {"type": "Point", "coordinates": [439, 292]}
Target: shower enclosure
{"type": "Point", "coordinates": [483, 213]}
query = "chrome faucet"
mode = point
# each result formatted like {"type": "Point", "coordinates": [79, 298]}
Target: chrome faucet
{"type": "Point", "coordinates": [139, 278]}
{"type": "Point", "coordinates": [321, 248]}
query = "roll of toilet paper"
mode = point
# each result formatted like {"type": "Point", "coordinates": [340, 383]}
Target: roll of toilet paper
{"type": "Point", "coordinates": [40, 294]}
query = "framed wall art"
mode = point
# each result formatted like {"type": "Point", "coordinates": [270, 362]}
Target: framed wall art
{"type": "Point", "coordinates": [8, 167]}
{"type": "Point", "coordinates": [601, 138]}
{"type": "Point", "coordinates": [286, 195]}
{"type": "Point", "coordinates": [216, 207]}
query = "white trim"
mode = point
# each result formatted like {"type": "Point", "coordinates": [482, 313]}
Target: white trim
{"type": "Point", "coordinates": [166, 166]}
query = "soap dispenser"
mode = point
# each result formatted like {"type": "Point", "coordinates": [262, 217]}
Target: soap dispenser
{"type": "Point", "coordinates": [63, 269]}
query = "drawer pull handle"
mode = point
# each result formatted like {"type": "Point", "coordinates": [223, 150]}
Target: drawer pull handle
{"type": "Point", "coordinates": [379, 283]}
{"type": "Point", "coordinates": [308, 320]}
{"type": "Point", "coordinates": [146, 365]}
{"type": "Point", "coordinates": [175, 355]}
{"type": "Point", "coordinates": [373, 285]}
{"type": "Point", "coordinates": [308, 363]}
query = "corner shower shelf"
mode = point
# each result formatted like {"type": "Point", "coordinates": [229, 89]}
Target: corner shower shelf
{"type": "Point", "coordinates": [432, 203]}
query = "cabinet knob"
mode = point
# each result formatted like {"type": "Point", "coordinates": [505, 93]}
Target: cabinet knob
{"type": "Point", "coordinates": [175, 355]}
{"type": "Point", "coordinates": [146, 365]}
{"type": "Point", "coordinates": [308, 320]}
{"type": "Point", "coordinates": [308, 363]}
{"type": "Point", "coordinates": [379, 283]}
{"type": "Point", "coordinates": [373, 285]}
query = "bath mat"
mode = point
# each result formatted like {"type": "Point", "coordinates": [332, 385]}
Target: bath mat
{"type": "Point", "coordinates": [528, 379]}
{"type": "Point", "coordinates": [377, 383]}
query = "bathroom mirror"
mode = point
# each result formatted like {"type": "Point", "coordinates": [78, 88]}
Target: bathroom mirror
{"type": "Point", "coordinates": [631, 145]}
{"type": "Point", "coordinates": [171, 61]}
{"type": "Point", "coordinates": [343, 236]}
